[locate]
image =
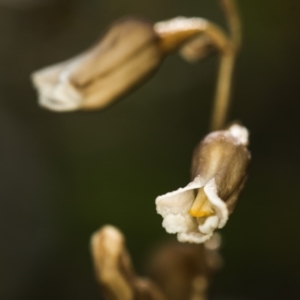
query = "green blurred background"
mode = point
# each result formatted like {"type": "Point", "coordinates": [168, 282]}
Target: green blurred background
{"type": "Point", "coordinates": [65, 175]}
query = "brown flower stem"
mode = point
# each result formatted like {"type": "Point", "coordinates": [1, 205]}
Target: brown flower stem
{"type": "Point", "coordinates": [227, 60]}
{"type": "Point", "coordinates": [233, 20]}
{"type": "Point", "coordinates": [222, 96]}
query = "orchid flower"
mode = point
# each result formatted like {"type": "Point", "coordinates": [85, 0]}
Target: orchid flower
{"type": "Point", "coordinates": [219, 169]}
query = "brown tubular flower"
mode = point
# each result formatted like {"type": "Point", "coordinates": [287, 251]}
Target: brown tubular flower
{"type": "Point", "coordinates": [219, 168]}
{"type": "Point", "coordinates": [126, 55]}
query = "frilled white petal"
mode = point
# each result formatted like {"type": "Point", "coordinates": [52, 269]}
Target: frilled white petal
{"type": "Point", "coordinates": [175, 207]}
{"type": "Point", "coordinates": [218, 204]}
{"type": "Point", "coordinates": [179, 201]}
{"type": "Point", "coordinates": [55, 90]}
{"type": "Point", "coordinates": [193, 237]}
{"type": "Point", "coordinates": [179, 223]}
{"type": "Point", "coordinates": [208, 224]}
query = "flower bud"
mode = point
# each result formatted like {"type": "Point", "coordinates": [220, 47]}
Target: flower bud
{"type": "Point", "coordinates": [219, 168]}
{"type": "Point", "coordinates": [114, 269]}
{"type": "Point", "coordinates": [128, 53]}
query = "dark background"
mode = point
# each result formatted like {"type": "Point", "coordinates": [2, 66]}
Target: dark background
{"type": "Point", "coordinates": [62, 176]}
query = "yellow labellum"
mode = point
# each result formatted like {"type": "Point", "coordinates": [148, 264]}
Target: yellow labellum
{"type": "Point", "coordinates": [201, 206]}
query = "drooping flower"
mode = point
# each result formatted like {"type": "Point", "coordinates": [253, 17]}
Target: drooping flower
{"type": "Point", "coordinates": [219, 168]}
{"type": "Point", "coordinates": [125, 56]}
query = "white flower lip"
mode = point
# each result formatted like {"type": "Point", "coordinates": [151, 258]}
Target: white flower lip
{"type": "Point", "coordinates": [175, 206]}
{"type": "Point", "coordinates": [55, 90]}
{"type": "Point", "coordinates": [212, 175]}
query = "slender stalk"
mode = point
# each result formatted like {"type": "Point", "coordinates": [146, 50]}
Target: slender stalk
{"type": "Point", "coordinates": [227, 60]}
{"type": "Point", "coordinates": [222, 96]}
{"type": "Point", "coordinates": [233, 20]}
